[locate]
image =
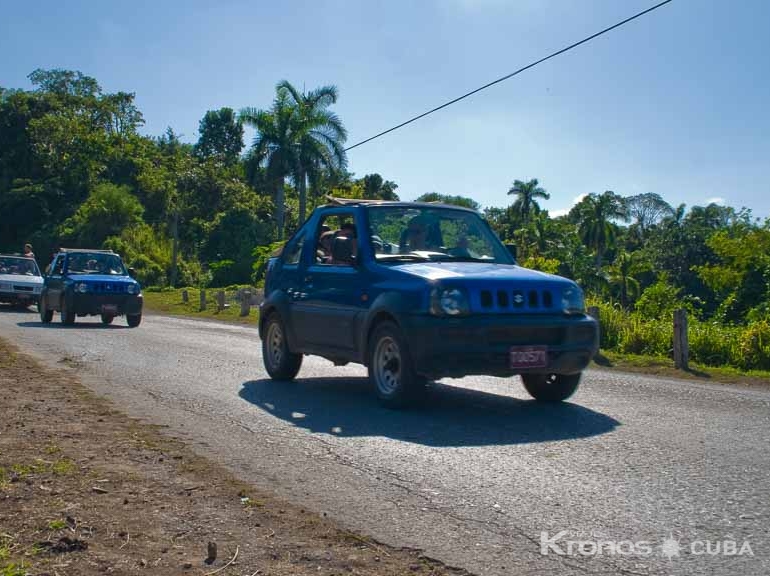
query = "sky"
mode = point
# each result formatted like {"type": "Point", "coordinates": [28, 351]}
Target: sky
{"type": "Point", "coordinates": [673, 103]}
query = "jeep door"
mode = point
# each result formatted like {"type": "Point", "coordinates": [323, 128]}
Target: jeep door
{"type": "Point", "coordinates": [333, 296]}
{"type": "Point", "coordinates": [54, 283]}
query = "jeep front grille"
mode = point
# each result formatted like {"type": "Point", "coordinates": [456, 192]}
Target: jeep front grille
{"type": "Point", "coordinates": [109, 287]}
{"type": "Point", "coordinates": [515, 300]}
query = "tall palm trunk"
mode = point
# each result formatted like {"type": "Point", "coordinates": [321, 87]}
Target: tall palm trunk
{"type": "Point", "coordinates": [302, 192]}
{"type": "Point", "coordinates": [280, 206]}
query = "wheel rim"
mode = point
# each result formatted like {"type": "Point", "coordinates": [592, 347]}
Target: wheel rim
{"type": "Point", "coordinates": [274, 344]}
{"type": "Point", "coordinates": [387, 366]}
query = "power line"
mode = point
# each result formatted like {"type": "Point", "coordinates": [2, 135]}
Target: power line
{"type": "Point", "coordinates": [511, 75]}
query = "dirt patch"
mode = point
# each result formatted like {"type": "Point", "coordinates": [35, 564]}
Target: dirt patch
{"type": "Point", "coordinates": [86, 490]}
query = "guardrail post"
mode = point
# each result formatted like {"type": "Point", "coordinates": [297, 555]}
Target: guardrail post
{"type": "Point", "coordinates": [220, 300]}
{"type": "Point", "coordinates": [681, 345]}
{"type": "Point", "coordinates": [203, 300]}
{"type": "Point", "coordinates": [245, 302]}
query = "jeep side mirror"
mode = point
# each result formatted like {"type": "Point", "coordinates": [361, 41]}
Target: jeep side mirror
{"type": "Point", "coordinates": [132, 273]}
{"type": "Point", "coordinates": [342, 250]}
{"type": "Point", "coordinates": [512, 250]}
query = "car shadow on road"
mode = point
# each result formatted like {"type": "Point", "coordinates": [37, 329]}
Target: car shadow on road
{"type": "Point", "coordinates": [450, 416]}
{"type": "Point", "coordinates": [60, 326]}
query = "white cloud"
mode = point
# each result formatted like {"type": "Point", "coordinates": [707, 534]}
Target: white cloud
{"type": "Point", "coordinates": [715, 200]}
{"type": "Point", "coordinates": [565, 211]}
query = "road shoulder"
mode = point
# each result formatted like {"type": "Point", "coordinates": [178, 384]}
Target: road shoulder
{"type": "Point", "coordinates": [84, 489]}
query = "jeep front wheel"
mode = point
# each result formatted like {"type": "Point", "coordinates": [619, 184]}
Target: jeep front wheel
{"type": "Point", "coordinates": [46, 315]}
{"type": "Point", "coordinates": [107, 318]}
{"type": "Point", "coordinates": [551, 387]}
{"type": "Point", "coordinates": [390, 368]}
{"type": "Point", "coordinates": [280, 362]}
{"type": "Point", "coordinates": [67, 315]}
{"type": "Point", "coordinates": [133, 320]}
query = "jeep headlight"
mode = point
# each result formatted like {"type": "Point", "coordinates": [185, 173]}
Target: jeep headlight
{"type": "Point", "coordinates": [572, 301]}
{"type": "Point", "coordinates": [449, 302]}
{"type": "Point", "coordinates": [133, 288]}
{"type": "Point", "coordinates": [81, 287]}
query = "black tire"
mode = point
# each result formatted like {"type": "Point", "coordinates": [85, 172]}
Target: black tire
{"type": "Point", "coordinates": [551, 387]}
{"type": "Point", "coordinates": [133, 320]}
{"type": "Point", "coordinates": [107, 319]}
{"type": "Point", "coordinates": [280, 362]}
{"type": "Point", "coordinates": [391, 371]}
{"type": "Point", "coordinates": [67, 315]}
{"type": "Point", "coordinates": [46, 315]}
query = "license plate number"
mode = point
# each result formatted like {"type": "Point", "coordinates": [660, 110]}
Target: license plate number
{"type": "Point", "coordinates": [109, 309]}
{"type": "Point", "coordinates": [528, 357]}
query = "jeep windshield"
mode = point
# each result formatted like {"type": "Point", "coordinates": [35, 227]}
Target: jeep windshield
{"type": "Point", "coordinates": [22, 266]}
{"type": "Point", "coordinates": [95, 263]}
{"type": "Point", "coordinates": [428, 233]}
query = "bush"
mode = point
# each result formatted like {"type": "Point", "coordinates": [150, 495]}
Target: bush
{"type": "Point", "coordinates": [754, 346]}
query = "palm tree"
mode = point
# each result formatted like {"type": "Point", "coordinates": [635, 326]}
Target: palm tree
{"type": "Point", "coordinates": [274, 147]}
{"type": "Point", "coordinates": [594, 215]}
{"type": "Point", "coordinates": [298, 137]}
{"type": "Point", "coordinates": [319, 136]}
{"type": "Point", "coordinates": [621, 272]}
{"type": "Point", "coordinates": [526, 201]}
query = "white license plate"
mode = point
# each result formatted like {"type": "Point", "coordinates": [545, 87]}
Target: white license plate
{"type": "Point", "coordinates": [528, 356]}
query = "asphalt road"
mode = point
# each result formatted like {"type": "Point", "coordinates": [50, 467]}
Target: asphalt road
{"type": "Point", "coordinates": [481, 477]}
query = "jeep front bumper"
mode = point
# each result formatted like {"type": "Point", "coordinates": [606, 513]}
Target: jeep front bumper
{"type": "Point", "coordinates": [480, 345]}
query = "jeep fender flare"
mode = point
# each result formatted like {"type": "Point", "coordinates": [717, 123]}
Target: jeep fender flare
{"type": "Point", "coordinates": [387, 306]}
{"type": "Point", "coordinates": [278, 302]}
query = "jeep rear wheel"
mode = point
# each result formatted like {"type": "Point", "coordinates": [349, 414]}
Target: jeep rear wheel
{"type": "Point", "coordinates": [551, 387]}
{"type": "Point", "coordinates": [133, 320]}
{"type": "Point", "coordinates": [280, 362]}
{"type": "Point", "coordinates": [107, 318]}
{"type": "Point", "coordinates": [390, 368]}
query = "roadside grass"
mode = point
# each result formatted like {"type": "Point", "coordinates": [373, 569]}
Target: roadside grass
{"type": "Point", "coordinates": [663, 366]}
{"type": "Point", "coordinates": [169, 301]}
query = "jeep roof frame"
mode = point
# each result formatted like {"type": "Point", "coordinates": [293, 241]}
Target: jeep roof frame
{"type": "Point", "coordinates": [334, 201]}
{"type": "Point", "coordinates": [87, 250]}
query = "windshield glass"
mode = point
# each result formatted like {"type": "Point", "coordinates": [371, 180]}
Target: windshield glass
{"type": "Point", "coordinates": [433, 233]}
{"type": "Point", "coordinates": [95, 263]}
{"type": "Point", "coordinates": [23, 266]}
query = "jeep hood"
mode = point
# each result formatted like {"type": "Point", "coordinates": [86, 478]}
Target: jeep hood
{"type": "Point", "coordinates": [100, 278]}
{"type": "Point", "coordinates": [478, 272]}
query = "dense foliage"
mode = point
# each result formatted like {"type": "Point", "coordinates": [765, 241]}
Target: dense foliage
{"type": "Point", "coordinates": [75, 171]}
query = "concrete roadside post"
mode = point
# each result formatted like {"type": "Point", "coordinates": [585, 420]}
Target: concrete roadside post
{"type": "Point", "coordinates": [203, 300]}
{"type": "Point", "coordinates": [245, 302]}
{"type": "Point", "coordinates": [185, 296]}
{"type": "Point", "coordinates": [220, 300]}
{"type": "Point", "coordinates": [681, 344]}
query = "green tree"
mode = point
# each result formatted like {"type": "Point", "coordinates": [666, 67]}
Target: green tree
{"type": "Point", "coordinates": [319, 137]}
{"type": "Point", "coordinates": [375, 188]}
{"type": "Point", "coordinates": [527, 194]}
{"type": "Point", "coordinates": [463, 201]}
{"type": "Point", "coordinates": [108, 211]}
{"type": "Point", "coordinates": [594, 216]}
{"type": "Point", "coordinates": [221, 136]}
{"type": "Point", "coordinates": [274, 149]}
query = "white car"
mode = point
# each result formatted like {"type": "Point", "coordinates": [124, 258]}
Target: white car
{"type": "Point", "coordinates": [20, 280]}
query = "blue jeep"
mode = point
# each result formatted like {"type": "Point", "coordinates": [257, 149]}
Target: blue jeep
{"type": "Point", "coordinates": [90, 283]}
{"type": "Point", "coordinates": [417, 292]}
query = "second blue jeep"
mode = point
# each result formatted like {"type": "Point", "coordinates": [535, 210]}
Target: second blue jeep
{"type": "Point", "coordinates": [417, 292]}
